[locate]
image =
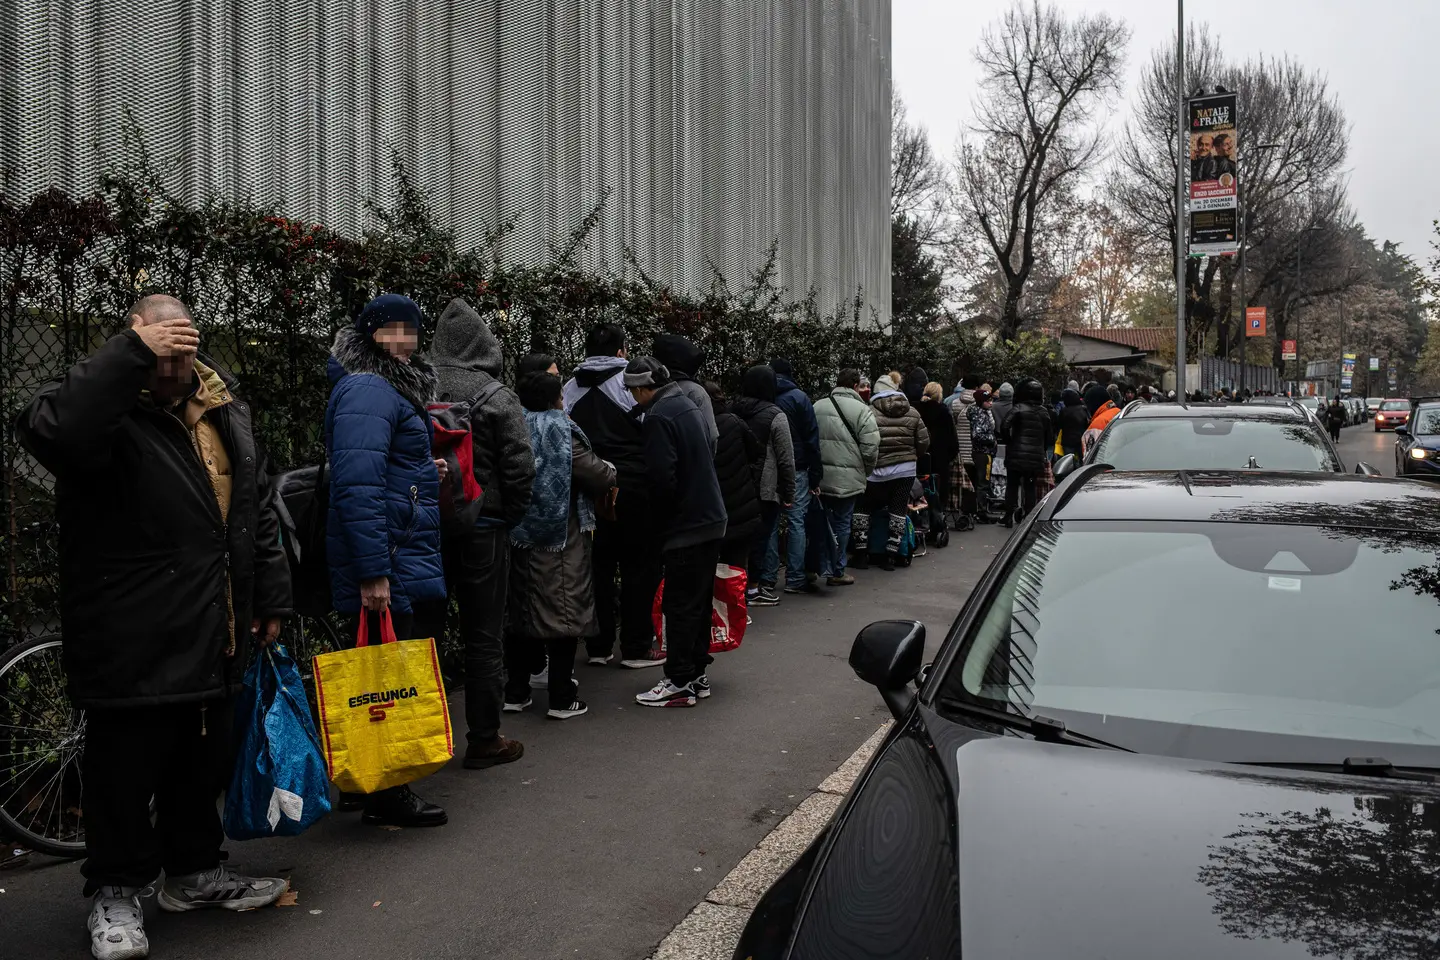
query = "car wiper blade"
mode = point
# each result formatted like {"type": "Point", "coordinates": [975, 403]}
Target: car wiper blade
{"type": "Point", "coordinates": [1377, 767]}
{"type": "Point", "coordinates": [1041, 727]}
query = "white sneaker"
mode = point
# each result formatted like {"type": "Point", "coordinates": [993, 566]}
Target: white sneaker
{"type": "Point", "coordinates": [666, 694]}
{"type": "Point", "coordinates": [222, 888]}
{"type": "Point", "coordinates": [642, 664]}
{"type": "Point", "coordinates": [508, 707]}
{"type": "Point", "coordinates": [576, 709]}
{"type": "Point", "coordinates": [541, 680]}
{"type": "Point", "coordinates": [117, 925]}
{"type": "Point", "coordinates": [600, 661]}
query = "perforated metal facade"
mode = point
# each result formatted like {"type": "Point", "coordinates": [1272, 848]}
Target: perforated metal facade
{"type": "Point", "coordinates": [716, 125]}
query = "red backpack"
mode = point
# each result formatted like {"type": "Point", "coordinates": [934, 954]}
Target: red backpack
{"type": "Point", "coordinates": [460, 494]}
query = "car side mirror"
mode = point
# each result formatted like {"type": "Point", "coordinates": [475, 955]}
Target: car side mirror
{"type": "Point", "coordinates": [1402, 431]}
{"type": "Point", "coordinates": [1364, 469]}
{"type": "Point", "coordinates": [889, 654]}
{"type": "Point", "coordinates": [1064, 466]}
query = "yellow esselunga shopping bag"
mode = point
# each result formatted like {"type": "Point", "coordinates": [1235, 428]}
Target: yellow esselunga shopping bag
{"type": "Point", "coordinates": [383, 715]}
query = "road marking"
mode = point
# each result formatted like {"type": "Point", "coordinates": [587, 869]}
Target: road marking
{"type": "Point", "coordinates": [711, 930]}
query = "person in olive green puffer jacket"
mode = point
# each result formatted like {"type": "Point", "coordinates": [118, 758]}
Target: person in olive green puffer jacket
{"type": "Point", "coordinates": [849, 446]}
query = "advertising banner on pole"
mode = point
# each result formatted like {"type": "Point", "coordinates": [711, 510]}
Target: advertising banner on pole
{"type": "Point", "coordinates": [1287, 350]}
{"type": "Point", "coordinates": [1254, 321]}
{"type": "Point", "coordinates": [1214, 184]}
{"type": "Point", "coordinates": [1375, 364]}
{"type": "Point", "coordinates": [1392, 373]}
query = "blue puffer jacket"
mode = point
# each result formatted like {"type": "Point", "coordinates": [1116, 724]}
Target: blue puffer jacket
{"type": "Point", "coordinates": [384, 490]}
{"type": "Point", "coordinates": [804, 429]}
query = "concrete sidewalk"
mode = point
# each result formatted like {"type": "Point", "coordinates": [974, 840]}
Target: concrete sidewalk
{"type": "Point", "coordinates": [597, 843]}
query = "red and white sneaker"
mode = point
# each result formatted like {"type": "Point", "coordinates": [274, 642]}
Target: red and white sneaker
{"type": "Point", "coordinates": [667, 694]}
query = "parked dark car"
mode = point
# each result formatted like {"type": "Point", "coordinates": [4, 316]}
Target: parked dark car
{"type": "Point", "coordinates": [1182, 715]}
{"type": "Point", "coordinates": [1417, 443]}
{"type": "Point", "coordinates": [1213, 436]}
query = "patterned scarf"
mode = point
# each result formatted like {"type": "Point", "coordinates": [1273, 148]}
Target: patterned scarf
{"type": "Point", "coordinates": [546, 522]}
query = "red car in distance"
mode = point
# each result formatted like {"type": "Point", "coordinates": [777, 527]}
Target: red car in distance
{"type": "Point", "coordinates": [1392, 413]}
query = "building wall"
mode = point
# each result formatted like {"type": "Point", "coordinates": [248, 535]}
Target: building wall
{"type": "Point", "coordinates": [715, 126]}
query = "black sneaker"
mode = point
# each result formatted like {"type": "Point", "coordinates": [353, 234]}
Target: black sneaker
{"type": "Point", "coordinates": [808, 587]}
{"type": "Point", "coordinates": [576, 709]}
{"type": "Point", "coordinates": [702, 686]}
{"type": "Point", "coordinates": [765, 597]}
{"type": "Point", "coordinates": [401, 807]}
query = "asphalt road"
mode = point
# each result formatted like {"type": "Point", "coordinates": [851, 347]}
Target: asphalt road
{"type": "Point", "coordinates": [1361, 442]}
{"type": "Point", "coordinates": [594, 845]}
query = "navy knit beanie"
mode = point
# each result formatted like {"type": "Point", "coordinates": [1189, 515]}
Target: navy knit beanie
{"type": "Point", "coordinates": [388, 308]}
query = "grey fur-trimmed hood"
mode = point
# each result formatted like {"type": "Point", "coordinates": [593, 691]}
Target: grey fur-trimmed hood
{"type": "Point", "coordinates": [353, 352]}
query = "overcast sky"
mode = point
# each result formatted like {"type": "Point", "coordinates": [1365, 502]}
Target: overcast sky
{"type": "Point", "coordinates": [1381, 58]}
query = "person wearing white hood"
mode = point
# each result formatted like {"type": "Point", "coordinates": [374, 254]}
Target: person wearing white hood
{"type": "Point", "coordinates": [626, 539]}
{"type": "Point", "coordinates": [903, 440]}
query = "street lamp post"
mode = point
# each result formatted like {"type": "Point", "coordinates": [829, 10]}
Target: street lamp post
{"type": "Point", "coordinates": [1182, 121]}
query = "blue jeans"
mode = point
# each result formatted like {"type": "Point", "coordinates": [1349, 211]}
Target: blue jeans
{"type": "Point", "coordinates": [795, 535]}
{"type": "Point", "coordinates": [840, 511]}
{"type": "Point", "coordinates": [765, 553]}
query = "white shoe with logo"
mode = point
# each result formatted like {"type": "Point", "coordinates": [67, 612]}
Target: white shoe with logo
{"type": "Point", "coordinates": [117, 925]}
{"type": "Point", "coordinates": [667, 694]}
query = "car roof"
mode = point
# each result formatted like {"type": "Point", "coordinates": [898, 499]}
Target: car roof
{"type": "Point", "coordinates": [1242, 496]}
{"type": "Point", "coordinates": [1273, 413]}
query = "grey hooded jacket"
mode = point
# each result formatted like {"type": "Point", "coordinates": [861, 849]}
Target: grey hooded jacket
{"type": "Point", "coordinates": [466, 356]}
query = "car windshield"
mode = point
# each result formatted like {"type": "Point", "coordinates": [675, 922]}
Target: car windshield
{"type": "Point", "coordinates": [1271, 628]}
{"type": "Point", "coordinates": [1395, 405]}
{"type": "Point", "coordinates": [1213, 443]}
{"type": "Point", "coordinates": [1426, 421]}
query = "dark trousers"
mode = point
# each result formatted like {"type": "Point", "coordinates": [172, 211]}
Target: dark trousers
{"type": "Point", "coordinates": [689, 589]}
{"type": "Point", "coordinates": [769, 520]}
{"type": "Point", "coordinates": [525, 656]}
{"type": "Point", "coordinates": [180, 756]}
{"type": "Point", "coordinates": [477, 571]}
{"type": "Point", "coordinates": [628, 548]}
{"type": "Point", "coordinates": [1018, 483]}
{"type": "Point", "coordinates": [1335, 432]}
{"type": "Point", "coordinates": [886, 503]}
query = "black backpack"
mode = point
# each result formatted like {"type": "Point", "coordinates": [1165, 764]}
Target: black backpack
{"type": "Point", "coordinates": [302, 501]}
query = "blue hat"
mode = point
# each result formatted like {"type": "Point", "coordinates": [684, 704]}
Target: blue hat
{"type": "Point", "coordinates": [388, 308]}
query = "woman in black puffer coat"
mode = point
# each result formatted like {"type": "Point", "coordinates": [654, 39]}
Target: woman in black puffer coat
{"type": "Point", "coordinates": [1028, 434]}
{"type": "Point", "coordinates": [1074, 419]}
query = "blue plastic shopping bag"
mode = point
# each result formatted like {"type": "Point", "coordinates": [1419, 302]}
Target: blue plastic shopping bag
{"type": "Point", "coordinates": [280, 785]}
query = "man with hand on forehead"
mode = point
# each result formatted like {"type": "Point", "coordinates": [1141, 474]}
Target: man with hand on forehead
{"type": "Point", "coordinates": [171, 572]}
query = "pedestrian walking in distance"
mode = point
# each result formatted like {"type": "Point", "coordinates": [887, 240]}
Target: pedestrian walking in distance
{"type": "Point", "coordinates": [552, 594]}
{"type": "Point", "coordinates": [776, 478]}
{"type": "Point", "coordinates": [690, 514]}
{"type": "Point", "coordinates": [468, 361]}
{"type": "Point", "coordinates": [1335, 418]}
{"type": "Point", "coordinates": [849, 446]}
{"type": "Point", "coordinates": [171, 573]}
{"type": "Point", "coordinates": [626, 540]}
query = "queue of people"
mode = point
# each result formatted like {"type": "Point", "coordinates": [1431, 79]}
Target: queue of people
{"type": "Point", "coordinates": [592, 492]}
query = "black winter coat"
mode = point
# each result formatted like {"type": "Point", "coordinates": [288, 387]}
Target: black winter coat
{"type": "Point", "coordinates": [1073, 421]}
{"type": "Point", "coordinates": [143, 551]}
{"type": "Point", "coordinates": [1028, 434]}
{"type": "Point", "coordinates": [685, 498]}
{"type": "Point", "coordinates": [737, 453]}
{"type": "Point", "coordinates": [944, 445]}
{"type": "Point", "coordinates": [616, 436]}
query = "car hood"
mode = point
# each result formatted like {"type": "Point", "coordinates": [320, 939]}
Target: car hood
{"type": "Point", "coordinates": [1081, 853]}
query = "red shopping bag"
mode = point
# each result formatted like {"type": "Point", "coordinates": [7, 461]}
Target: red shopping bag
{"type": "Point", "coordinates": [727, 610]}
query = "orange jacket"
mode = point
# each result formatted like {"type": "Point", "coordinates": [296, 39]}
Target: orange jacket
{"type": "Point", "coordinates": [1104, 415]}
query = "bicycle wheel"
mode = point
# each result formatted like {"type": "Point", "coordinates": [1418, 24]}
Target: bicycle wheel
{"type": "Point", "coordinates": [42, 739]}
{"type": "Point", "coordinates": [305, 637]}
